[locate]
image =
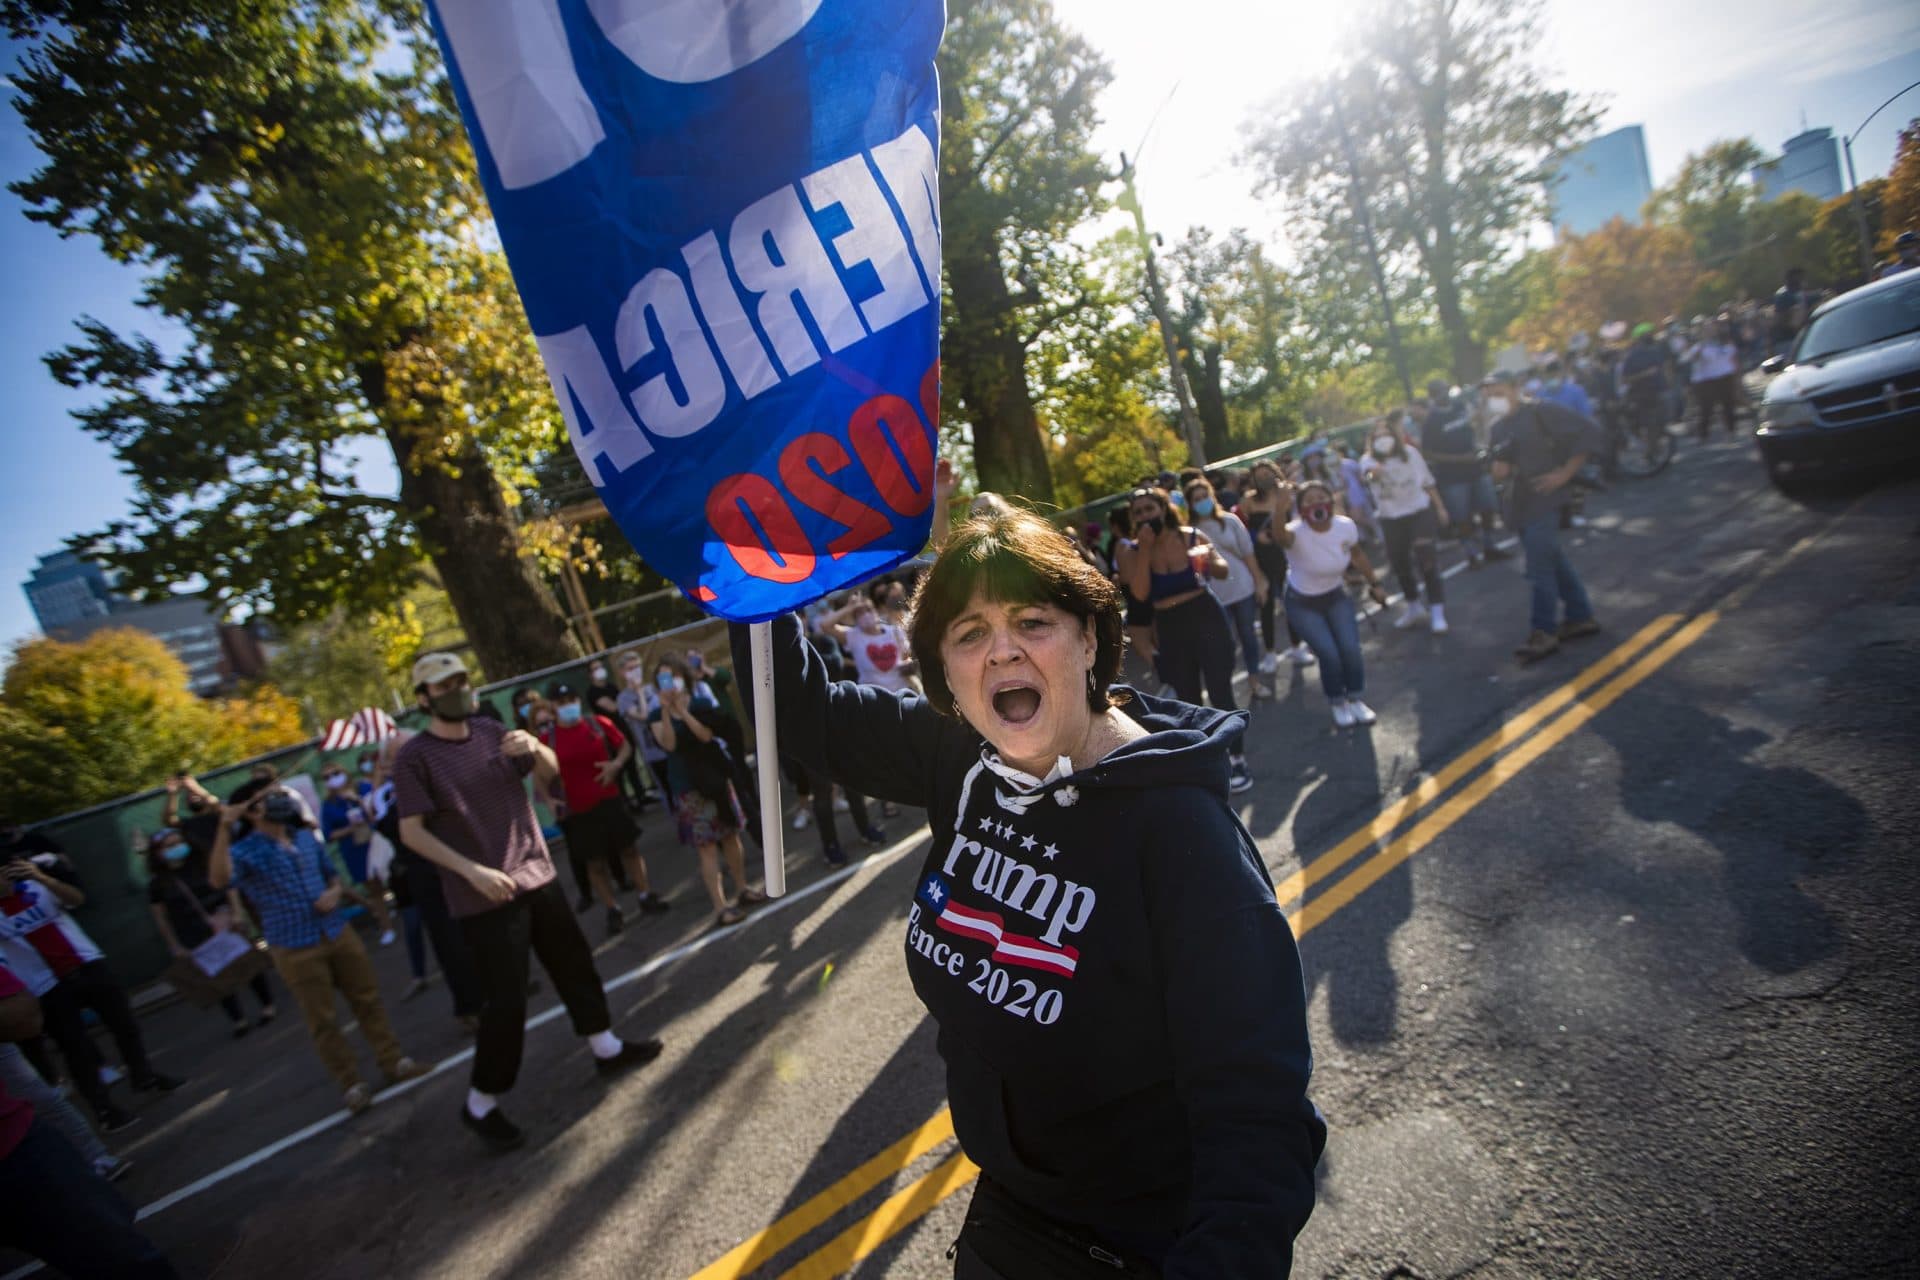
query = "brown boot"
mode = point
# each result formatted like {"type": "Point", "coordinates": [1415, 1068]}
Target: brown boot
{"type": "Point", "coordinates": [1538, 645]}
{"type": "Point", "coordinates": [1574, 630]}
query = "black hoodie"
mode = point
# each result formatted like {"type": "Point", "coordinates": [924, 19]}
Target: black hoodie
{"type": "Point", "coordinates": [1118, 994]}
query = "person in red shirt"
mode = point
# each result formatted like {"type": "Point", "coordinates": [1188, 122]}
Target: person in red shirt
{"type": "Point", "coordinates": [599, 830]}
{"type": "Point", "coordinates": [52, 1205]}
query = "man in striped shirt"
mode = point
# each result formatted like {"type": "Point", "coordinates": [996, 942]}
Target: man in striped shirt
{"type": "Point", "coordinates": [37, 934]}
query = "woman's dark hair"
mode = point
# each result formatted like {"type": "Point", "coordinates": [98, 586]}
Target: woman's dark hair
{"type": "Point", "coordinates": [678, 665]}
{"type": "Point", "coordinates": [1015, 558]}
{"type": "Point", "coordinates": [158, 865]}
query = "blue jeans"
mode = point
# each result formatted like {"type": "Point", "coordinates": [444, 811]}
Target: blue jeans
{"type": "Point", "coordinates": [1332, 630]}
{"type": "Point", "coordinates": [1466, 499]}
{"type": "Point", "coordinates": [1551, 574]}
{"type": "Point", "coordinates": [1242, 616]}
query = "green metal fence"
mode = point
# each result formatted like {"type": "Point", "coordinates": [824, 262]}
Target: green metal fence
{"type": "Point", "coordinates": [107, 841]}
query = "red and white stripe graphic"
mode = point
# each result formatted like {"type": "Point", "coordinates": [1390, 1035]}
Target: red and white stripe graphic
{"type": "Point", "coordinates": [368, 724]}
{"type": "Point", "coordinates": [1008, 948]}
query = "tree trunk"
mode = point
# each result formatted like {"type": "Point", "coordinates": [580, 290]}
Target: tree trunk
{"type": "Point", "coordinates": [510, 616]}
{"type": "Point", "coordinates": [1209, 399]}
{"type": "Point", "coordinates": [512, 621]}
{"type": "Point", "coordinates": [983, 354]}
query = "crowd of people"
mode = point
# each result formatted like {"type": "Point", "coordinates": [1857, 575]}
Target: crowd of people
{"type": "Point", "coordinates": [1014, 644]}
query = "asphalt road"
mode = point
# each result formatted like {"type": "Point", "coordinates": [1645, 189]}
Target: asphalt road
{"type": "Point", "coordinates": [1611, 967]}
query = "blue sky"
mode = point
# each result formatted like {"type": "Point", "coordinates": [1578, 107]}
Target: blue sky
{"type": "Point", "coordinates": [1690, 75]}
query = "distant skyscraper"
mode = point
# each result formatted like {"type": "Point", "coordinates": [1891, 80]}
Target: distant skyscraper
{"type": "Point", "coordinates": [64, 589]}
{"type": "Point", "coordinates": [1809, 162]}
{"type": "Point", "coordinates": [1606, 179]}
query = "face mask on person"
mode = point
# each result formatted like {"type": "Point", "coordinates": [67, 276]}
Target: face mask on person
{"type": "Point", "coordinates": [176, 853]}
{"type": "Point", "coordinates": [524, 710]}
{"type": "Point", "coordinates": [599, 675]}
{"type": "Point", "coordinates": [1499, 406]}
{"type": "Point", "coordinates": [280, 808]}
{"type": "Point", "coordinates": [456, 704]}
{"type": "Point", "coordinates": [669, 682]}
{"type": "Point", "coordinates": [1382, 446]}
{"type": "Point", "coordinates": [1203, 506]}
{"type": "Point", "coordinates": [568, 713]}
{"type": "Point", "coordinates": [336, 780]}
{"type": "Point", "coordinates": [366, 766]}
{"type": "Point", "coordinates": [1319, 515]}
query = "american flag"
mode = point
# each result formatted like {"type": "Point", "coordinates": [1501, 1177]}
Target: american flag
{"type": "Point", "coordinates": [368, 724]}
{"type": "Point", "coordinates": [990, 927]}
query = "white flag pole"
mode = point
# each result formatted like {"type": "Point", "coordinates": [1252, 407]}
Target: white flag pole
{"type": "Point", "coordinates": [767, 750]}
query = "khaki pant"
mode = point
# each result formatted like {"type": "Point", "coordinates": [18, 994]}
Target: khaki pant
{"type": "Point", "coordinates": [313, 974]}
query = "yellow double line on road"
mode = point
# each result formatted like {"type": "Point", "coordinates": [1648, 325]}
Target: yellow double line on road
{"type": "Point", "coordinates": [1524, 739]}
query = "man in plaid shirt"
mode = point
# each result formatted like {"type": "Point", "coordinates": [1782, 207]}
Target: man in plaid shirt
{"type": "Point", "coordinates": [282, 868]}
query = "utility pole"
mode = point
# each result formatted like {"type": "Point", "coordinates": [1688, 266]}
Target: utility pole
{"type": "Point", "coordinates": [1356, 187]}
{"type": "Point", "coordinates": [1157, 298]}
{"type": "Point", "coordinates": [1860, 213]}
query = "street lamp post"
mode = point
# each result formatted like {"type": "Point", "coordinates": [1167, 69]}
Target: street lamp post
{"type": "Point", "coordinates": [1853, 187]}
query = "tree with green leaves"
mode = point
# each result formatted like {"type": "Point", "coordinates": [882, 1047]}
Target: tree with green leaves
{"type": "Point", "coordinates": [293, 177]}
{"type": "Point", "coordinates": [1017, 174]}
{"type": "Point", "coordinates": [83, 723]}
{"type": "Point", "coordinates": [1439, 125]}
{"type": "Point", "coordinates": [1238, 322]}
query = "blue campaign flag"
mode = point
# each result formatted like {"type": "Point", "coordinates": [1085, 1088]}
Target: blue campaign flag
{"type": "Point", "coordinates": [723, 219]}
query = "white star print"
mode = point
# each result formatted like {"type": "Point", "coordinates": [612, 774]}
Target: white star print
{"type": "Point", "coordinates": [1028, 842]}
{"type": "Point", "coordinates": [1050, 852]}
{"type": "Point", "coordinates": [986, 824]}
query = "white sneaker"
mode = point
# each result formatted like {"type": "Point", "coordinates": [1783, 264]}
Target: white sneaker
{"type": "Point", "coordinates": [1301, 656]}
{"type": "Point", "coordinates": [386, 939]}
{"type": "Point", "coordinates": [801, 817]}
{"type": "Point", "coordinates": [1259, 688]}
{"type": "Point", "coordinates": [1360, 712]}
{"type": "Point", "coordinates": [1412, 616]}
{"type": "Point", "coordinates": [1439, 619]}
{"type": "Point", "coordinates": [1269, 664]}
{"type": "Point", "coordinates": [1342, 716]}
{"type": "Point", "coordinates": [840, 804]}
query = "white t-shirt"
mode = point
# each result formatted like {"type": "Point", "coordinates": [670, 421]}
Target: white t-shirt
{"type": "Point", "coordinates": [877, 656]}
{"type": "Point", "coordinates": [1714, 360]}
{"type": "Point", "coordinates": [1236, 548]}
{"type": "Point", "coordinates": [1317, 562]}
{"type": "Point", "coordinates": [1399, 484]}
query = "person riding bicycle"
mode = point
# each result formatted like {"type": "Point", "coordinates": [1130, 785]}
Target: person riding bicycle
{"type": "Point", "coordinates": [1643, 374]}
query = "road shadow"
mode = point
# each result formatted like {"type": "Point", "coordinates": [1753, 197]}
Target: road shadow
{"type": "Point", "coordinates": [1349, 952]}
{"type": "Point", "coordinates": [415, 1202]}
{"type": "Point", "coordinates": [1773, 826]}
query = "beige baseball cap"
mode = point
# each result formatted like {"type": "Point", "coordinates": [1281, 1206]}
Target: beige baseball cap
{"type": "Point", "coordinates": [431, 667]}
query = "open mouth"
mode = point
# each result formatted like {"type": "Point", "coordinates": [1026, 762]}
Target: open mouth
{"type": "Point", "coordinates": [1016, 703]}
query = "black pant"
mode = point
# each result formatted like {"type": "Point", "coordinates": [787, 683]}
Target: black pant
{"type": "Point", "coordinates": [57, 1209]}
{"type": "Point", "coordinates": [1411, 543]}
{"type": "Point", "coordinates": [539, 921]}
{"type": "Point", "coordinates": [1196, 646]}
{"type": "Point", "coordinates": [261, 992]}
{"type": "Point", "coordinates": [1004, 1239]}
{"type": "Point", "coordinates": [445, 936]}
{"type": "Point", "coordinates": [1716, 393]}
{"type": "Point", "coordinates": [1273, 563]}
{"type": "Point", "coordinates": [92, 986]}
{"type": "Point", "coordinates": [823, 816]}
